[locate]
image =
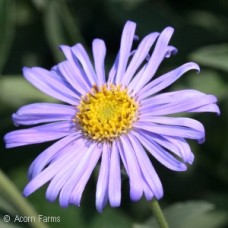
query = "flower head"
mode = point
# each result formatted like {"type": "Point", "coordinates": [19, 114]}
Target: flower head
{"type": "Point", "coordinates": [116, 118]}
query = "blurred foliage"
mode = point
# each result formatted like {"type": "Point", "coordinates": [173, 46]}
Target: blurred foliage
{"type": "Point", "coordinates": [214, 56]}
{"type": "Point", "coordinates": [7, 12]}
{"type": "Point", "coordinates": [30, 32]}
{"type": "Point", "coordinates": [16, 87]}
{"type": "Point", "coordinates": [198, 214]}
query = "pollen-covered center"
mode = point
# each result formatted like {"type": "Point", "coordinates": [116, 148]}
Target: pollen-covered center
{"type": "Point", "coordinates": [106, 112]}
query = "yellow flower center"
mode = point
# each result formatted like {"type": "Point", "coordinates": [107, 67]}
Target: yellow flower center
{"type": "Point", "coordinates": [107, 112]}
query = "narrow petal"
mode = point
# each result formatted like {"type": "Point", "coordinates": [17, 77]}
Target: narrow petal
{"type": "Point", "coordinates": [39, 134]}
{"type": "Point", "coordinates": [176, 145]}
{"type": "Point", "coordinates": [170, 51]}
{"type": "Point", "coordinates": [65, 194]}
{"type": "Point", "coordinates": [184, 149]}
{"type": "Point", "coordinates": [42, 113]}
{"type": "Point", "coordinates": [131, 86]}
{"type": "Point", "coordinates": [138, 77]}
{"type": "Point", "coordinates": [207, 108]}
{"type": "Point", "coordinates": [103, 179]}
{"type": "Point", "coordinates": [76, 194]}
{"type": "Point", "coordinates": [169, 97]}
{"type": "Point", "coordinates": [113, 70]}
{"type": "Point", "coordinates": [82, 56]}
{"type": "Point", "coordinates": [132, 167]}
{"type": "Point", "coordinates": [125, 49]}
{"type": "Point", "coordinates": [146, 167]}
{"type": "Point", "coordinates": [139, 56]}
{"type": "Point", "coordinates": [65, 77]}
{"type": "Point", "coordinates": [47, 83]}
{"type": "Point", "coordinates": [167, 79]}
{"type": "Point", "coordinates": [159, 153]}
{"type": "Point", "coordinates": [73, 77]}
{"type": "Point", "coordinates": [77, 68]}
{"type": "Point", "coordinates": [176, 121]}
{"type": "Point", "coordinates": [186, 103]}
{"type": "Point", "coordinates": [157, 57]}
{"type": "Point", "coordinates": [99, 52]}
{"type": "Point", "coordinates": [59, 180]}
{"type": "Point", "coordinates": [114, 188]}
{"type": "Point", "coordinates": [169, 130]}
{"type": "Point", "coordinates": [50, 171]}
{"type": "Point", "coordinates": [147, 191]}
{"type": "Point", "coordinates": [50, 153]}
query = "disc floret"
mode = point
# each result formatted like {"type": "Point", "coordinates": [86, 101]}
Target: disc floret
{"type": "Point", "coordinates": [106, 112]}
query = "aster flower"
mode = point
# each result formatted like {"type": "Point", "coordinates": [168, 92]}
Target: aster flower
{"type": "Point", "coordinates": [121, 118]}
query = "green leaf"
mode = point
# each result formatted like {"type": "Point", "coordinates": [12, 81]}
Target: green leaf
{"type": "Point", "coordinates": [7, 13]}
{"type": "Point", "coordinates": [60, 27]}
{"type": "Point", "coordinates": [69, 23]}
{"type": "Point", "coordinates": [210, 82]}
{"type": "Point", "coordinates": [8, 225]}
{"type": "Point", "coordinates": [213, 56]}
{"type": "Point", "coordinates": [190, 214]}
{"type": "Point", "coordinates": [208, 20]}
{"type": "Point", "coordinates": [54, 29]}
{"type": "Point", "coordinates": [111, 218]}
{"type": "Point", "coordinates": [6, 206]}
{"type": "Point", "coordinates": [16, 91]}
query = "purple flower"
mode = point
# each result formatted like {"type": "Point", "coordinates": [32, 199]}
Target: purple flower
{"type": "Point", "coordinates": [116, 118]}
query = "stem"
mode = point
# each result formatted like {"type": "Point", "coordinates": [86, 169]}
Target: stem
{"type": "Point", "coordinates": [12, 195]}
{"type": "Point", "coordinates": [158, 214]}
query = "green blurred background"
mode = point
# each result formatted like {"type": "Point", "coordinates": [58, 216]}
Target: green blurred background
{"type": "Point", "coordinates": [30, 32]}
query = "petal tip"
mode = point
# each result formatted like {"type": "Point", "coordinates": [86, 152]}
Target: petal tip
{"type": "Point", "coordinates": [6, 139]}
{"type": "Point", "coordinates": [62, 46]}
{"type": "Point", "coordinates": [168, 30]}
{"type": "Point", "coordinates": [99, 207]}
{"type": "Point", "coordinates": [26, 191]}
{"type": "Point", "coordinates": [130, 23]}
{"type": "Point", "coordinates": [193, 66]}
{"type": "Point", "coordinates": [159, 194]}
{"type": "Point", "coordinates": [115, 201]}
{"type": "Point", "coordinates": [135, 195]}
{"type": "Point", "coordinates": [63, 204]}
{"type": "Point", "coordinates": [25, 70]}
{"type": "Point", "coordinates": [218, 113]}
{"type": "Point", "coordinates": [201, 140]}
